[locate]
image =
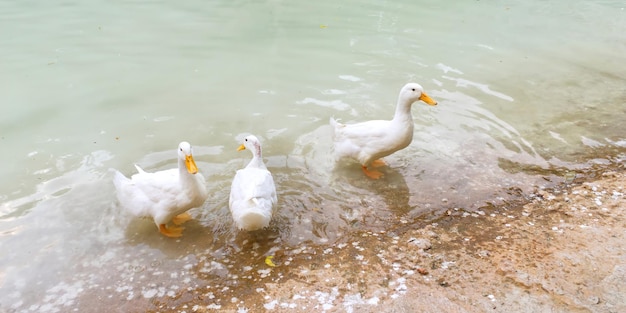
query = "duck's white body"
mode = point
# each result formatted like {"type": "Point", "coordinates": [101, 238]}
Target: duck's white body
{"type": "Point", "coordinates": [252, 193]}
{"type": "Point", "coordinates": [165, 194]}
{"type": "Point", "coordinates": [369, 141]}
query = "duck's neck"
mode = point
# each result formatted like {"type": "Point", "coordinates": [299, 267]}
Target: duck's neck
{"type": "Point", "coordinates": [185, 177]}
{"type": "Point", "coordinates": [403, 111]}
{"type": "Point", "coordinates": [257, 158]}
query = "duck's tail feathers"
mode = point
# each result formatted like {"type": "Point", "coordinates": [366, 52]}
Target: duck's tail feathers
{"type": "Point", "coordinates": [139, 169]}
{"type": "Point", "coordinates": [334, 124]}
{"type": "Point", "coordinates": [257, 216]}
{"type": "Point", "coordinates": [119, 180]}
{"type": "Point", "coordinates": [124, 188]}
{"type": "Point", "coordinates": [253, 220]}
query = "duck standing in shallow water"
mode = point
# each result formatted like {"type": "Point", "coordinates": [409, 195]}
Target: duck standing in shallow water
{"type": "Point", "coordinates": [165, 195]}
{"type": "Point", "coordinates": [252, 193]}
{"type": "Point", "coordinates": [368, 142]}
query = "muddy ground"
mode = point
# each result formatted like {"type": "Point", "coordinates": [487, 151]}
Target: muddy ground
{"type": "Point", "coordinates": [562, 251]}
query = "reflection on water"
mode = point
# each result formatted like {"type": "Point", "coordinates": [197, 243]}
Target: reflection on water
{"type": "Point", "coordinates": [526, 97]}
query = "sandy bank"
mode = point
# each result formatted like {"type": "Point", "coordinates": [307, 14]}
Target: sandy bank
{"type": "Point", "coordinates": [565, 251]}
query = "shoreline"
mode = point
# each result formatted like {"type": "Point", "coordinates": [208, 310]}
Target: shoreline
{"type": "Point", "coordinates": [562, 251]}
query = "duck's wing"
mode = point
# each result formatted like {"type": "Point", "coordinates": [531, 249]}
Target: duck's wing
{"type": "Point", "coordinates": [368, 130]}
{"type": "Point", "coordinates": [251, 183]}
{"type": "Point", "coordinates": [158, 186]}
{"type": "Point", "coordinates": [351, 139]}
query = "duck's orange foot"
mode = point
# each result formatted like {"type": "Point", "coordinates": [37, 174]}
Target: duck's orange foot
{"type": "Point", "coordinates": [372, 174]}
{"type": "Point", "coordinates": [172, 232]}
{"type": "Point", "coordinates": [181, 218]}
{"type": "Point", "coordinates": [379, 163]}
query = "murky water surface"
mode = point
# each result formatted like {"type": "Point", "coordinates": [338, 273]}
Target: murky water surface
{"type": "Point", "coordinates": [528, 94]}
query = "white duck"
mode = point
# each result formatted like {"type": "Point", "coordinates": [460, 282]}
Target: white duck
{"type": "Point", "coordinates": [252, 193]}
{"type": "Point", "coordinates": [369, 141]}
{"type": "Point", "coordinates": [165, 195]}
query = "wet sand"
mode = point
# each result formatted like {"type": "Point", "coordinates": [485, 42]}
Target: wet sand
{"type": "Point", "coordinates": [563, 250]}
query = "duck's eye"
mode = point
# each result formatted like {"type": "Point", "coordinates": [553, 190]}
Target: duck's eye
{"type": "Point", "coordinates": [181, 149]}
{"type": "Point", "coordinates": [246, 139]}
{"type": "Point", "coordinates": [413, 89]}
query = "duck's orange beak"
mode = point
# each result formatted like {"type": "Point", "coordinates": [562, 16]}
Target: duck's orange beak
{"type": "Point", "coordinates": [424, 97]}
{"type": "Point", "coordinates": [190, 164]}
{"type": "Point", "coordinates": [242, 147]}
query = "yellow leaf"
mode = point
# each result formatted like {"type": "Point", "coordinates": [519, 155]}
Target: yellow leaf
{"type": "Point", "coordinates": [268, 260]}
{"type": "Point", "coordinates": [323, 26]}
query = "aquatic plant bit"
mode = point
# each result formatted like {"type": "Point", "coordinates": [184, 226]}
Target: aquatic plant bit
{"type": "Point", "coordinates": [268, 260]}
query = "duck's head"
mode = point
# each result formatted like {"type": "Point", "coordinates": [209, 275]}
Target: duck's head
{"type": "Point", "coordinates": [251, 143]}
{"type": "Point", "coordinates": [412, 92]}
{"type": "Point", "coordinates": [185, 154]}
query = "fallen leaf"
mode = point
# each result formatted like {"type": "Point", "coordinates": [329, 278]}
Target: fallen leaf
{"type": "Point", "coordinates": [268, 260]}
